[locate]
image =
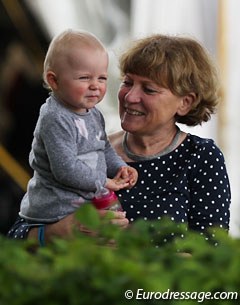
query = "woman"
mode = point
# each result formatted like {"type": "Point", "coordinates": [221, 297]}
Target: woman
{"type": "Point", "coordinates": [168, 80]}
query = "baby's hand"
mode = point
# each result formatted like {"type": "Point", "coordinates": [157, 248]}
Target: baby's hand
{"type": "Point", "coordinates": [116, 184]}
{"type": "Point", "coordinates": [126, 178]}
{"type": "Point", "coordinates": [129, 174]}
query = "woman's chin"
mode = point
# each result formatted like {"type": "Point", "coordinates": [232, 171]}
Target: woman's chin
{"type": "Point", "coordinates": [128, 126]}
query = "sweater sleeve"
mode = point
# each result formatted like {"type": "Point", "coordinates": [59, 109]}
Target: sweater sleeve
{"type": "Point", "coordinates": [113, 160]}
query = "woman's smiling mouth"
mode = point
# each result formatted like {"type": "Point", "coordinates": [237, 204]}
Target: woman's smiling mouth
{"type": "Point", "coordinates": [133, 112]}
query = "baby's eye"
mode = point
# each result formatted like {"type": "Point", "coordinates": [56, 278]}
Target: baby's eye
{"type": "Point", "coordinates": [103, 78]}
{"type": "Point", "coordinates": [84, 78]}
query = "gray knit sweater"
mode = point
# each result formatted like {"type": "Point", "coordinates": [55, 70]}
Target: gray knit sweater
{"type": "Point", "coordinates": [70, 152]}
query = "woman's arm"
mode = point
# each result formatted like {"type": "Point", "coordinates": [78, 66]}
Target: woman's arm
{"type": "Point", "coordinates": [210, 191]}
{"type": "Point", "coordinates": [66, 227]}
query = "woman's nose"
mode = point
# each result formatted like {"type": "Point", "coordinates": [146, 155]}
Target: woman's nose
{"type": "Point", "coordinates": [133, 96]}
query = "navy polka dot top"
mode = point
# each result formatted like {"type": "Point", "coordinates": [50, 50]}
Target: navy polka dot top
{"type": "Point", "coordinates": [189, 185]}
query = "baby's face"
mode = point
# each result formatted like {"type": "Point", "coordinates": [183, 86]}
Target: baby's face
{"type": "Point", "coordinates": [82, 78]}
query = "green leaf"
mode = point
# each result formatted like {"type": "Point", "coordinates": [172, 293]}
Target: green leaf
{"type": "Point", "coordinates": [88, 216]}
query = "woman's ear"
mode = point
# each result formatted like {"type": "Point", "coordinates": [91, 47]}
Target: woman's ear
{"type": "Point", "coordinates": [186, 103]}
{"type": "Point", "coordinates": [52, 80]}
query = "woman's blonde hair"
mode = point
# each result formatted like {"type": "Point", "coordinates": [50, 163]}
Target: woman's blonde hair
{"type": "Point", "coordinates": [180, 64]}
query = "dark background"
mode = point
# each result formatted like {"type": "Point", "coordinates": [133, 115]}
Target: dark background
{"type": "Point", "coordinates": [21, 95]}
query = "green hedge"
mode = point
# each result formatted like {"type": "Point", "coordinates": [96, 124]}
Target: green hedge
{"type": "Point", "coordinates": [86, 271]}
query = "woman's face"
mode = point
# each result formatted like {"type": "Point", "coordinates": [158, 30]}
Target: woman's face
{"type": "Point", "coordinates": [145, 107]}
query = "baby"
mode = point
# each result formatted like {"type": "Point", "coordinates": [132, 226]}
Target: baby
{"type": "Point", "coordinates": [71, 155]}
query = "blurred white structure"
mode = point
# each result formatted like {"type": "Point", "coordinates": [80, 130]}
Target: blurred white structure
{"type": "Point", "coordinates": [231, 130]}
{"type": "Point", "coordinates": [116, 22]}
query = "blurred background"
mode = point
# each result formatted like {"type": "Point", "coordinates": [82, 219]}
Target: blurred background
{"type": "Point", "coordinates": [26, 28]}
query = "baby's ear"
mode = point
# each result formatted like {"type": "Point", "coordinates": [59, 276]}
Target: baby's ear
{"type": "Point", "coordinates": [186, 104]}
{"type": "Point", "coordinates": [52, 80]}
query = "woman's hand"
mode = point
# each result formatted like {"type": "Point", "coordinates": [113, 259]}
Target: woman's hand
{"type": "Point", "coordinates": [66, 227]}
{"type": "Point", "coordinates": [119, 218]}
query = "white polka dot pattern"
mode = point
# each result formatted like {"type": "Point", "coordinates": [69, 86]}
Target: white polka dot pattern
{"type": "Point", "coordinates": [190, 185]}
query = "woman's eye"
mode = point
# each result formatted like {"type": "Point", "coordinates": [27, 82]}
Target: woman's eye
{"type": "Point", "coordinates": [126, 83]}
{"type": "Point", "coordinates": [150, 90]}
